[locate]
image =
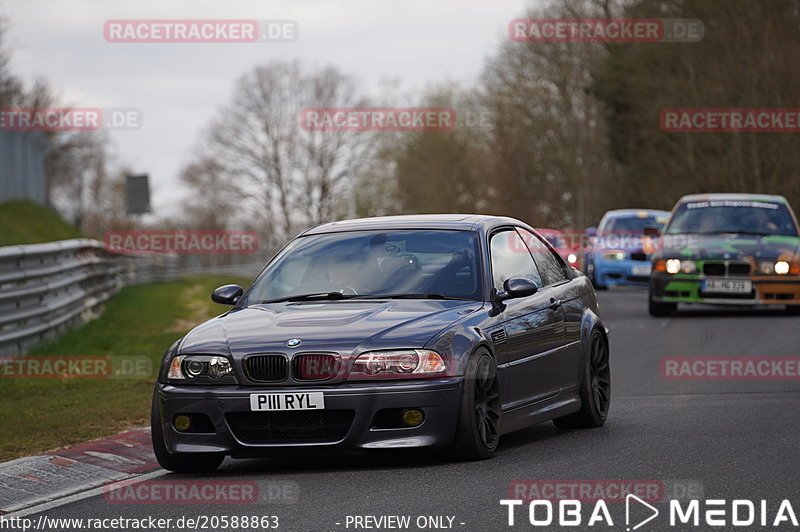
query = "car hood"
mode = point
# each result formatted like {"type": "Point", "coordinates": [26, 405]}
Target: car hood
{"type": "Point", "coordinates": [340, 326]}
{"type": "Point", "coordinates": [729, 246]}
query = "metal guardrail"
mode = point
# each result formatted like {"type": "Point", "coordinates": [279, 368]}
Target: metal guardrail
{"type": "Point", "coordinates": [46, 289]}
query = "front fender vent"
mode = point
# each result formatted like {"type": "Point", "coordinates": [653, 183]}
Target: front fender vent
{"type": "Point", "coordinates": [499, 336]}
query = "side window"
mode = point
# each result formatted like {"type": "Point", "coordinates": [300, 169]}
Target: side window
{"type": "Point", "coordinates": [551, 266]}
{"type": "Point", "coordinates": [511, 258]}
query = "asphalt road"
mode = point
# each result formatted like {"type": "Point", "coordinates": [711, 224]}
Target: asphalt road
{"type": "Point", "coordinates": [726, 440]}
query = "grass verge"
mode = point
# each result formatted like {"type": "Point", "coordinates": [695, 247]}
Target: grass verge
{"type": "Point", "coordinates": [38, 415]}
{"type": "Point", "coordinates": [26, 222]}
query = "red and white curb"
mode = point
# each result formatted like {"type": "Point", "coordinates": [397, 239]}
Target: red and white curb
{"type": "Point", "coordinates": [35, 480]}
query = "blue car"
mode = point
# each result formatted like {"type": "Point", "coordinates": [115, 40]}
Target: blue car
{"type": "Point", "coordinates": [622, 246]}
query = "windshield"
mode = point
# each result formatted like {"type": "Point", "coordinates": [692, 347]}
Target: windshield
{"type": "Point", "coordinates": [373, 264]}
{"type": "Point", "coordinates": [754, 217]}
{"type": "Point", "coordinates": [632, 224]}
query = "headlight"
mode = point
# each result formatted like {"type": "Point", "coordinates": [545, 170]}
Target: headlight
{"type": "Point", "coordinates": [572, 258]}
{"type": "Point", "coordinates": [613, 255]}
{"type": "Point", "coordinates": [673, 266]}
{"type": "Point", "coordinates": [185, 367]}
{"type": "Point", "coordinates": [406, 363]}
{"type": "Point", "coordinates": [688, 266]}
{"type": "Point", "coordinates": [780, 267]}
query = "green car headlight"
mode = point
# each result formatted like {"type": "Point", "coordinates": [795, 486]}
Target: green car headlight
{"type": "Point", "coordinates": [780, 267]}
{"type": "Point", "coordinates": [673, 266]}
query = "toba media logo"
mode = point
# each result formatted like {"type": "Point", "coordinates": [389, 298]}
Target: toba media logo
{"type": "Point", "coordinates": [598, 503]}
{"type": "Point", "coordinates": [638, 513]}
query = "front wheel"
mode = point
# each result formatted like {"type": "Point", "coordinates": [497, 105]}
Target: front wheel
{"type": "Point", "coordinates": [595, 389]}
{"type": "Point", "coordinates": [478, 431]}
{"type": "Point", "coordinates": [179, 462]}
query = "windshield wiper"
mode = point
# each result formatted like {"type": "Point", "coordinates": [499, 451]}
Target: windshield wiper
{"type": "Point", "coordinates": [410, 296]}
{"type": "Point", "coordinates": [320, 296]}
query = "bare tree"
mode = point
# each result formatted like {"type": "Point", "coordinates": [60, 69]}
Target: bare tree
{"type": "Point", "coordinates": [746, 59]}
{"type": "Point", "coordinates": [439, 171]}
{"type": "Point", "coordinates": [10, 86]}
{"type": "Point", "coordinates": [287, 176]}
{"type": "Point", "coordinates": [549, 148]}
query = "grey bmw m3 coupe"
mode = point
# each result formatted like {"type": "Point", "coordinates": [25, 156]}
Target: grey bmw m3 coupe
{"type": "Point", "coordinates": [429, 331]}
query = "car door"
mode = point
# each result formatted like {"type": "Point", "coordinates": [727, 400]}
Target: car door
{"type": "Point", "coordinates": [566, 300]}
{"type": "Point", "coordinates": [531, 326]}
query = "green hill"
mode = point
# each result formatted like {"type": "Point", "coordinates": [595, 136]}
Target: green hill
{"type": "Point", "coordinates": [26, 222]}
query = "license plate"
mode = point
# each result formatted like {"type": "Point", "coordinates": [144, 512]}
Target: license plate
{"type": "Point", "coordinates": [287, 401]}
{"type": "Point", "coordinates": [642, 269]}
{"type": "Point", "coordinates": [728, 286]}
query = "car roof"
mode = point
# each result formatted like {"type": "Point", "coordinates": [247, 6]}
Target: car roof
{"type": "Point", "coordinates": [462, 222]}
{"type": "Point", "coordinates": [634, 212]}
{"type": "Point", "coordinates": [733, 197]}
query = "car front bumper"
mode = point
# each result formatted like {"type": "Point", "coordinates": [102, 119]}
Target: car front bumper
{"type": "Point", "coordinates": [622, 272]}
{"type": "Point", "coordinates": [438, 399]}
{"type": "Point", "coordinates": [685, 288]}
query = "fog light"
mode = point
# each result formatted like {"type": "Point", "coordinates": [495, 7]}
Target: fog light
{"type": "Point", "coordinates": [412, 417]}
{"type": "Point", "coordinates": [182, 423]}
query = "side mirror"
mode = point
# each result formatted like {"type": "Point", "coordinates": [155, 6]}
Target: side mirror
{"type": "Point", "coordinates": [517, 287]}
{"type": "Point", "coordinates": [227, 295]}
{"type": "Point", "coordinates": [591, 231]}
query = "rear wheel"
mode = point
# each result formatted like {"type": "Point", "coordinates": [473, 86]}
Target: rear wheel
{"type": "Point", "coordinates": [179, 462]}
{"type": "Point", "coordinates": [595, 390]}
{"type": "Point", "coordinates": [661, 309]}
{"type": "Point", "coordinates": [478, 431]}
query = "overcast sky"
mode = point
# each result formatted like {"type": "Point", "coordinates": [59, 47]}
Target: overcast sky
{"type": "Point", "coordinates": [178, 87]}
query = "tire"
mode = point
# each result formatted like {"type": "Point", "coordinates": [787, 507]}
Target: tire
{"type": "Point", "coordinates": [478, 430]}
{"type": "Point", "coordinates": [793, 310]}
{"type": "Point", "coordinates": [595, 388]}
{"type": "Point", "coordinates": [179, 462]}
{"type": "Point", "coordinates": [660, 310]}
